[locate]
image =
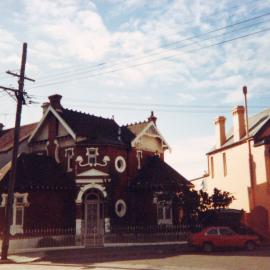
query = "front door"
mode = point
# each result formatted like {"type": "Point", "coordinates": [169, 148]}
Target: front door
{"type": "Point", "coordinates": [94, 219]}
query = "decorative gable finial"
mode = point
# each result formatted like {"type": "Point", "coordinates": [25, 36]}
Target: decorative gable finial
{"type": "Point", "coordinates": [152, 118]}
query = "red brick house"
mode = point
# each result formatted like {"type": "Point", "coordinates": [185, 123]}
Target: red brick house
{"type": "Point", "coordinates": [87, 172]}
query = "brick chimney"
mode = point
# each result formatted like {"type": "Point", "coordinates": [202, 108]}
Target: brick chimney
{"type": "Point", "coordinates": [220, 131]}
{"type": "Point", "coordinates": [239, 125]}
{"type": "Point", "coordinates": [152, 118]}
{"type": "Point", "coordinates": [55, 101]}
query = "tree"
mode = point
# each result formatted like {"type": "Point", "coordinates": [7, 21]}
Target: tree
{"type": "Point", "coordinates": [194, 203]}
{"type": "Point", "coordinates": [221, 199]}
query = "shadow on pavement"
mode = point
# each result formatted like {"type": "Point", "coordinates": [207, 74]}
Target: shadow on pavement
{"type": "Point", "coordinates": [97, 255]}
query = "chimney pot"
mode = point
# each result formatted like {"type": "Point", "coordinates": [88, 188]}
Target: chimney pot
{"type": "Point", "coordinates": [55, 101]}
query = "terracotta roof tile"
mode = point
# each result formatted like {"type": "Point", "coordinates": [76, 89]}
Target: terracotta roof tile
{"type": "Point", "coordinates": [6, 140]}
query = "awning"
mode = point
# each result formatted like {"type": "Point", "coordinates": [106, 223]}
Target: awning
{"type": "Point", "coordinates": [4, 170]}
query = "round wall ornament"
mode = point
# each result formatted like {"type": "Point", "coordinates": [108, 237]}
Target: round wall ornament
{"type": "Point", "coordinates": [120, 164]}
{"type": "Point", "coordinates": [120, 208]}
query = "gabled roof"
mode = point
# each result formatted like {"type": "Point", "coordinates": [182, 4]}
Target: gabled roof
{"type": "Point", "coordinates": [158, 175]}
{"type": "Point", "coordinates": [89, 127]}
{"type": "Point", "coordinates": [142, 128]}
{"type": "Point", "coordinates": [255, 123]}
{"type": "Point", "coordinates": [94, 128]}
{"type": "Point", "coordinates": [6, 140]}
{"type": "Point", "coordinates": [137, 128]}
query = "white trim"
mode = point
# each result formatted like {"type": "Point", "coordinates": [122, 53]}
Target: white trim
{"type": "Point", "coordinates": [139, 156]}
{"type": "Point", "coordinates": [56, 151]}
{"type": "Point", "coordinates": [90, 186]}
{"type": "Point", "coordinates": [122, 212]}
{"type": "Point", "coordinates": [93, 172]}
{"type": "Point", "coordinates": [4, 200]}
{"type": "Point", "coordinates": [69, 154]}
{"type": "Point", "coordinates": [123, 166]}
{"type": "Point", "coordinates": [143, 132]}
{"type": "Point", "coordinates": [91, 181]}
{"type": "Point", "coordinates": [60, 119]}
{"type": "Point", "coordinates": [78, 226]}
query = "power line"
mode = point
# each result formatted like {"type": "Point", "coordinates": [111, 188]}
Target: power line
{"type": "Point", "coordinates": [155, 60]}
{"type": "Point", "coordinates": [177, 48]}
{"type": "Point", "coordinates": [151, 52]}
{"type": "Point", "coordinates": [139, 104]}
{"type": "Point", "coordinates": [195, 42]}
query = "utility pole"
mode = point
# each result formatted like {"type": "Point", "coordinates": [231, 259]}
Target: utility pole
{"type": "Point", "coordinates": [250, 158]}
{"type": "Point", "coordinates": [20, 101]}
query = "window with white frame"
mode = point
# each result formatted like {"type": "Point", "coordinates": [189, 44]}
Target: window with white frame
{"type": "Point", "coordinates": [19, 204]}
{"type": "Point", "coordinates": [164, 212]}
{"type": "Point", "coordinates": [92, 154]}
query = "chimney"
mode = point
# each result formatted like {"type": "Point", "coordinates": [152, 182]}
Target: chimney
{"type": "Point", "coordinates": [220, 131]}
{"type": "Point", "coordinates": [45, 106]}
{"type": "Point", "coordinates": [152, 118]}
{"type": "Point", "coordinates": [239, 125]}
{"type": "Point", "coordinates": [55, 101]}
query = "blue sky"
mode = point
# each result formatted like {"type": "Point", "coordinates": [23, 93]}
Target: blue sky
{"type": "Point", "coordinates": [128, 57]}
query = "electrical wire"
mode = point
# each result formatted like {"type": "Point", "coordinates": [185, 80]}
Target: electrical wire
{"type": "Point", "coordinates": [149, 51]}
{"type": "Point", "coordinates": [152, 61]}
{"type": "Point", "coordinates": [167, 52]}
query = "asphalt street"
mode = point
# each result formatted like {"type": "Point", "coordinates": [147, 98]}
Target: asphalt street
{"type": "Point", "coordinates": [143, 258]}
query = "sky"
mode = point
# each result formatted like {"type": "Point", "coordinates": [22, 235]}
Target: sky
{"type": "Point", "coordinates": [187, 60]}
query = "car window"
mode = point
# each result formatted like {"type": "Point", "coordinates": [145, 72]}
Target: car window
{"type": "Point", "coordinates": [212, 232]}
{"type": "Point", "coordinates": [226, 231]}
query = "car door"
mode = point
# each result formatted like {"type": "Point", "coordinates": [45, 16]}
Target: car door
{"type": "Point", "coordinates": [212, 235]}
{"type": "Point", "coordinates": [228, 237]}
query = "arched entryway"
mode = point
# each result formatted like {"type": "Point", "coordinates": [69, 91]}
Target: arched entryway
{"type": "Point", "coordinates": [93, 216]}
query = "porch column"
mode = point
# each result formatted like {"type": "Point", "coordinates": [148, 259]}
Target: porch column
{"type": "Point", "coordinates": [78, 218]}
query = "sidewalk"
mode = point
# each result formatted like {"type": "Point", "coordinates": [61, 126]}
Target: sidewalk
{"type": "Point", "coordinates": [100, 254]}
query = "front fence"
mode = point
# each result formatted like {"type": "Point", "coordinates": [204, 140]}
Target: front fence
{"type": "Point", "coordinates": [42, 238]}
{"type": "Point", "coordinates": [142, 234]}
{"type": "Point", "coordinates": [48, 238]}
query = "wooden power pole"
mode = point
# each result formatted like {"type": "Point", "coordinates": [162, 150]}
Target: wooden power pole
{"type": "Point", "coordinates": [20, 101]}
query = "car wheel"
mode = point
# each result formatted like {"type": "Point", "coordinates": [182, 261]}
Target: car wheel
{"type": "Point", "coordinates": [250, 246]}
{"type": "Point", "coordinates": [208, 247]}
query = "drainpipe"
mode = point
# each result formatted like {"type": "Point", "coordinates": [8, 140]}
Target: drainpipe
{"type": "Point", "coordinates": [250, 159]}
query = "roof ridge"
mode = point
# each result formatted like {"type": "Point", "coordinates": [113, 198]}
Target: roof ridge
{"type": "Point", "coordinates": [137, 123]}
{"type": "Point", "coordinates": [88, 114]}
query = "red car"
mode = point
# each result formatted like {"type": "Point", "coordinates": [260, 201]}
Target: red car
{"type": "Point", "coordinates": [222, 237]}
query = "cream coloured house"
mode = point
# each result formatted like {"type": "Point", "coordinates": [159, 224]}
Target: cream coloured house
{"type": "Point", "coordinates": [240, 163]}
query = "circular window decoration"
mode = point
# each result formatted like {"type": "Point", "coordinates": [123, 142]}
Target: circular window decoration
{"type": "Point", "coordinates": [120, 164]}
{"type": "Point", "coordinates": [120, 208]}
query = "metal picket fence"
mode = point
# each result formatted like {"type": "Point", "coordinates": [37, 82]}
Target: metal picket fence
{"type": "Point", "coordinates": [151, 233]}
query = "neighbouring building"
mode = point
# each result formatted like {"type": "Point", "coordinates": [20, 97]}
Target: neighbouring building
{"type": "Point", "coordinates": [87, 172]}
{"type": "Point", "coordinates": [240, 164]}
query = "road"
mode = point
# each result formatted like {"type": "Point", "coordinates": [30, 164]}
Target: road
{"type": "Point", "coordinates": [134, 260]}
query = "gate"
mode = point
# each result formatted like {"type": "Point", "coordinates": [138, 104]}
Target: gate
{"type": "Point", "coordinates": [94, 220]}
